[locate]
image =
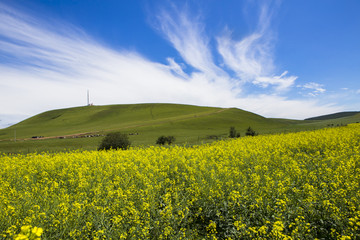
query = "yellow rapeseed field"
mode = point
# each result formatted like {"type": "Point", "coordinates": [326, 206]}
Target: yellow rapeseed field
{"type": "Point", "coordinates": [289, 186]}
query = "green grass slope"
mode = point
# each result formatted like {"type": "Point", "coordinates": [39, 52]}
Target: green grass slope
{"type": "Point", "coordinates": [334, 116]}
{"type": "Point", "coordinates": [207, 127]}
{"type": "Point", "coordinates": [91, 119]}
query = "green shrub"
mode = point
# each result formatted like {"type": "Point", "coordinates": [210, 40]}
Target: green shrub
{"type": "Point", "coordinates": [162, 140]}
{"type": "Point", "coordinates": [170, 139]}
{"type": "Point", "coordinates": [115, 140]}
{"type": "Point", "coordinates": [233, 133]}
{"type": "Point", "coordinates": [250, 132]}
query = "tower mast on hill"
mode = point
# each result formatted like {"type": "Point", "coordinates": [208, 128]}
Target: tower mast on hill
{"type": "Point", "coordinates": [88, 99]}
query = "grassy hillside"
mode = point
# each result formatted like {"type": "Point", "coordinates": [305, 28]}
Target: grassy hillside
{"type": "Point", "coordinates": [92, 119]}
{"type": "Point", "coordinates": [144, 123]}
{"type": "Point", "coordinates": [334, 116]}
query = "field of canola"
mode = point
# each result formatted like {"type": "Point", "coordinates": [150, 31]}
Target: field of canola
{"type": "Point", "coordinates": [291, 186]}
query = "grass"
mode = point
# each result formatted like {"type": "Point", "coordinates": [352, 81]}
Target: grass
{"type": "Point", "coordinates": [145, 123]}
{"type": "Point", "coordinates": [100, 118]}
{"type": "Point", "coordinates": [334, 115]}
{"type": "Point", "coordinates": [48, 145]}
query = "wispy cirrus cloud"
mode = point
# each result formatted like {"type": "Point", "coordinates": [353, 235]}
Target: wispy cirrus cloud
{"type": "Point", "coordinates": [313, 89]}
{"type": "Point", "coordinates": [45, 66]}
{"type": "Point", "coordinates": [251, 58]}
{"type": "Point", "coordinates": [187, 35]}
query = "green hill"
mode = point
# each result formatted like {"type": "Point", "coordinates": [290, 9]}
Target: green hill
{"type": "Point", "coordinates": [141, 117]}
{"type": "Point", "coordinates": [78, 128]}
{"type": "Point", "coordinates": [91, 119]}
{"type": "Point", "coordinates": [334, 116]}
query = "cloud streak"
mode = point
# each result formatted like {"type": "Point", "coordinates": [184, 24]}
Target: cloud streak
{"type": "Point", "coordinates": [314, 88]}
{"type": "Point", "coordinates": [44, 67]}
{"type": "Point", "coordinates": [251, 57]}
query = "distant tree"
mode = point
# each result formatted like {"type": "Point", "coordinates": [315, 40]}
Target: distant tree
{"type": "Point", "coordinates": [170, 139]}
{"type": "Point", "coordinates": [250, 132]}
{"type": "Point", "coordinates": [233, 133]}
{"type": "Point", "coordinates": [115, 140]}
{"type": "Point", "coordinates": [162, 140]}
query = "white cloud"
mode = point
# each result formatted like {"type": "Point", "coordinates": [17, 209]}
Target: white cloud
{"type": "Point", "coordinates": [10, 119]}
{"type": "Point", "coordinates": [251, 57]}
{"type": "Point", "coordinates": [187, 36]}
{"type": "Point", "coordinates": [283, 82]}
{"type": "Point", "coordinates": [314, 88]}
{"type": "Point", "coordinates": [281, 107]}
{"type": "Point", "coordinates": [176, 68]}
{"type": "Point", "coordinates": [53, 68]}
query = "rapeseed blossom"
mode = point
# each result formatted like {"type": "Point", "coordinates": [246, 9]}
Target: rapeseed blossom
{"type": "Point", "coordinates": [288, 186]}
{"type": "Point", "coordinates": [29, 233]}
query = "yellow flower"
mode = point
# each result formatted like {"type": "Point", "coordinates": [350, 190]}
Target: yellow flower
{"type": "Point", "coordinates": [29, 233]}
{"type": "Point", "coordinates": [37, 231]}
{"type": "Point", "coordinates": [21, 237]}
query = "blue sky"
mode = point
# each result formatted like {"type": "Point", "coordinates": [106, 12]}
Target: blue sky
{"type": "Point", "coordinates": [288, 59]}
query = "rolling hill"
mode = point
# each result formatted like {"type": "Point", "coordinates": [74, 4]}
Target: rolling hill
{"type": "Point", "coordinates": [95, 119]}
{"type": "Point", "coordinates": [92, 119]}
{"type": "Point", "coordinates": [71, 128]}
{"type": "Point", "coordinates": [334, 116]}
